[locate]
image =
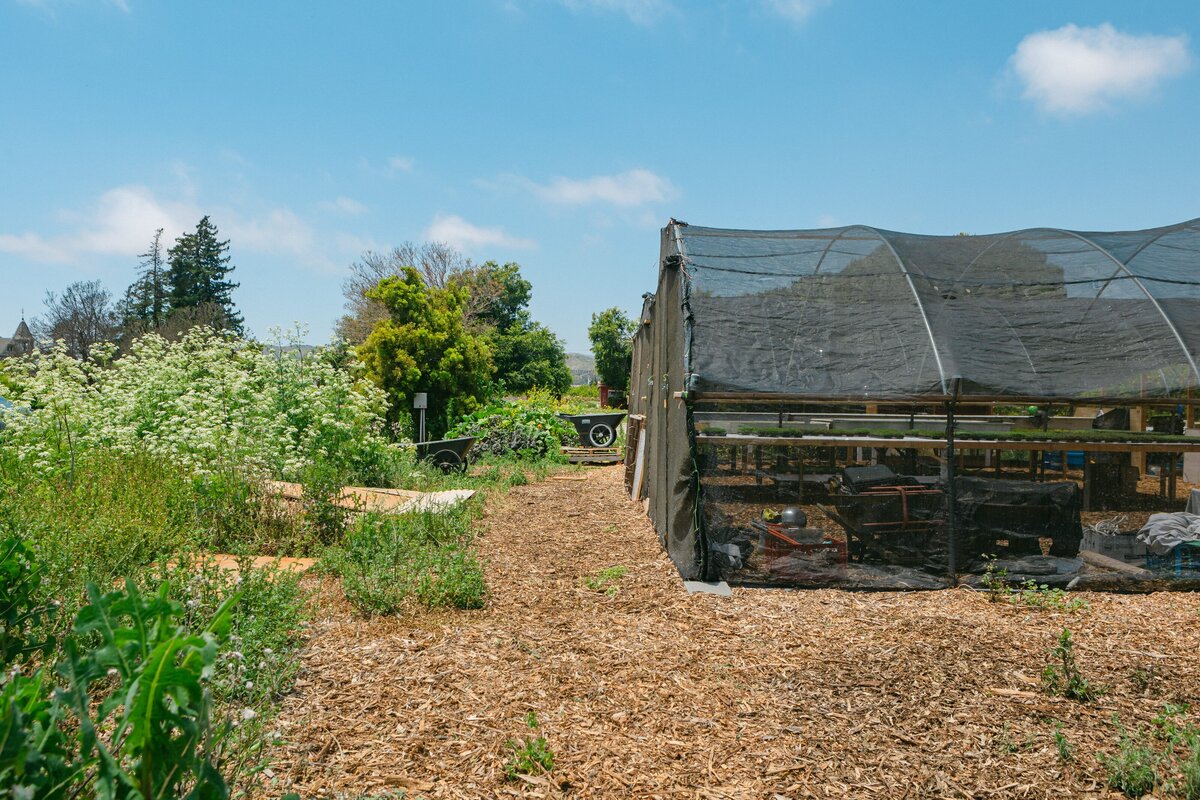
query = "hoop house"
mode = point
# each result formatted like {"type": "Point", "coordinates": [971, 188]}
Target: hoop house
{"type": "Point", "coordinates": [771, 320]}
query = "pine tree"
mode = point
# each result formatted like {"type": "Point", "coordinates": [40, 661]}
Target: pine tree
{"type": "Point", "coordinates": [198, 270]}
{"type": "Point", "coordinates": [145, 302]}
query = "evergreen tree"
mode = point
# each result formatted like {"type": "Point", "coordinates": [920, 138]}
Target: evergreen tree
{"type": "Point", "coordinates": [198, 271]}
{"type": "Point", "coordinates": [145, 304]}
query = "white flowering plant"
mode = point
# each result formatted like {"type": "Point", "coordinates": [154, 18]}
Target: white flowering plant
{"type": "Point", "coordinates": [209, 401]}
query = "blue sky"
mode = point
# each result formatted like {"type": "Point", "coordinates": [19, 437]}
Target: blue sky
{"type": "Point", "coordinates": [562, 134]}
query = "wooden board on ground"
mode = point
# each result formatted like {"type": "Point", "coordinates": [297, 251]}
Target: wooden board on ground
{"type": "Point", "coordinates": [383, 501]}
{"type": "Point", "coordinates": [593, 455]}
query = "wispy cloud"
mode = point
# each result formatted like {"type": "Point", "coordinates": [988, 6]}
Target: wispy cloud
{"type": "Point", "coordinates": [1074, 70]}
{"type": "Point", "coordinates": [457, 232]}
{"type": "Point", "coordinates": [796, 11]}
{"type": "Point", "coordinates": [400, 163]}
{"type": "Point", "coordinates": [636, 187]}
{"type": "Point", "coordinates": [643, 12]}
{"type": "Point", "coordinates": [51, 6]}
{"type": "Point", "coordinates": [345, 205]}
{"type": "Point", "coordinates": [122, 221]}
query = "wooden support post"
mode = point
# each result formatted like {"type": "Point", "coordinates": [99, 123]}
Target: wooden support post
{"type": "Point", "coordinates": [1137, 422]}
{"type": "Point", "coordinates": [800, 475]}
{"type": "Point", "coordinates": [1064, 462]}
{"type": "Point", "coordinates": [951, 494]}
{"type": "Point", "coordinates": [1171, 476]}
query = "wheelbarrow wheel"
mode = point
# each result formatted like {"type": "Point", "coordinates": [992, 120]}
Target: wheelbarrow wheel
{"type": "Point", "coordinates": [601, 435]}
{"type": "Point", "coordinates": [448, 461]}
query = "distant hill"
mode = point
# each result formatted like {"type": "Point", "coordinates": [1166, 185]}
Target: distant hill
{"type": "Point", "coordinates": [583, 368]}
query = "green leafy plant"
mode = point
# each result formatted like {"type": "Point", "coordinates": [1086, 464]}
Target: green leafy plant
{"type": "Point", "coordinates": [24, 615]}
{"type": "Point", "coordinates": [531, 755]}
{"type": "Point", "coordinates": [1066, 752]}
{"type": "Point", "coordinates": [1188, 785]}
{"type": "Point", "coordinates": [1062, 676]}
{"type": "Point", "coordinates": [1035, 595]}
{"type": "Point", "coordinates": [133, 717]}
{"type": "Point", "coordinates": [1171, 725]}
{"type": "Point", "coordinates": [390, 562]}
{"type": "Point", "coordinates": [606, 580]}
{"type": "Point", "coordinates": [528, 429]}
{"type": "Point", "coordinates": [995, 580]}
{"type": "Point", "coordinates": [1134, 768]}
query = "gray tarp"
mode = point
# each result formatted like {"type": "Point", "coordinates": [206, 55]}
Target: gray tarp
{"type": "Point", "coordinates": [1162, 533]}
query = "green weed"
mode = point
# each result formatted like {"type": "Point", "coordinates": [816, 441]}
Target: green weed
{"type": "Point", "coordinates": [606, 580]}
{"type": "Point", "coordinates": [1037, 595]}
{"type": "Point", "coordinates": [531, 755]}
{"type": "Point", "coordinates": [1066, 752]}
{"type": "Point", "coordinates": [389, 562]}
{"type": "Point", "coordinates": [1062, 676]}
{"type": "Point", "coordinates": [1134, 769]}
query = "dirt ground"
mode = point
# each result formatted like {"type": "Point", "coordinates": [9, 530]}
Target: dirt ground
{"type": "Point", "coordinates": [651, 692]}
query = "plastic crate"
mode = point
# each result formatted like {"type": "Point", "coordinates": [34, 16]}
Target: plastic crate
{"type": "Point", "coordinates": [1121, 546]}
{"type": "Point", "coordinates": [1183, 560]}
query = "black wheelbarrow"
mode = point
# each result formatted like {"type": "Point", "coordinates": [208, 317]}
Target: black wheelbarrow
{"type": "Point", "coordinates": [448, 455]}
{"type": "Point", "coordinates": [595, 430]}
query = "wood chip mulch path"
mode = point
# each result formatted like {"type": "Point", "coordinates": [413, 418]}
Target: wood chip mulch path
{"type": "Point", "coordinates": [651, 692]}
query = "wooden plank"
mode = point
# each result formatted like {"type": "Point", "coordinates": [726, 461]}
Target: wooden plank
{"type": "Point", "coordinates": [1113, 565]}
{"type": "Point", "coordinates": [694, 397]}
{"type": "Point", "coordinates": [965, 444]}
{"type": "Point", "coordinates": [639, 471]}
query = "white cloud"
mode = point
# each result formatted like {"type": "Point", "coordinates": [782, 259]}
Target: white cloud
{"type": "Point", "coordinates": [796, 11]}
{"type": "Point", "coordinates": [400, 164]}
{"type": "Point", "coordinates": [457, 232]}
{"type": "Point", "coordinates": [642, 12]}
{"type": "Point", "coordinates": [345, 205]}
{"type": "Point", "coordinates": [636, 187]}
{"type": "Point", "coordinates": [1075, 70]}
{"type": "Point", "coordinates": [123, 220]}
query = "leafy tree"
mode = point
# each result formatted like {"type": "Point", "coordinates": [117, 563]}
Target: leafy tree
{"type": "Point", "coordinates": [423, 346]}
{"type": "Point", "coordinates": [145, 305]}
{"type": "Point", "coordinates": [528, 354]}
{"type": "Point", "coordinates": [496, 295]}
{"type": "Point", "coordinates": [437, 263]}
{"type": "Point", "coordinates": [198, 274]}
{"type": "Point", "coordinates": [611, 333]}
{"type": "Point", "coordinates": [82, 317]}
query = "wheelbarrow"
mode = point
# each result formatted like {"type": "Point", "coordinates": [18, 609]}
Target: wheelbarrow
{"type": "Point", "coordinates": [595, 430]}
{"type": "Point", "coordinates": [448, 455]}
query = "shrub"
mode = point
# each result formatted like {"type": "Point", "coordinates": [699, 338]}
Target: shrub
{"type": "Point", "coordinates": [389, 562]}
{"type": "Point", "coordinates": [210, 402]}
{"type": "Point", "coordinates": [528, 429]}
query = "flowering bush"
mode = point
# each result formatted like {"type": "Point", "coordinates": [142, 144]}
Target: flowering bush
{"type": "Point", "coordinates": [528, 428]}
{"type": "Point", "coordinates": [208, 401]}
